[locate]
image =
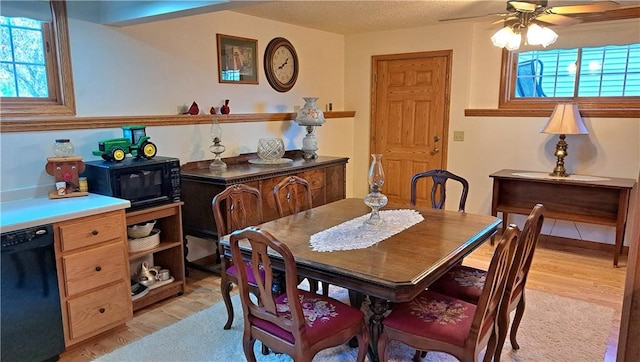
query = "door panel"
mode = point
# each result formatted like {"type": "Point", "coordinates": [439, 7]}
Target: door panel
{"type": "Point", "coordinates": [410, 116]}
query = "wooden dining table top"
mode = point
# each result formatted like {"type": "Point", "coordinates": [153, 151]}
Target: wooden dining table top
{"type": "Point", "coordinates": [395, 269]}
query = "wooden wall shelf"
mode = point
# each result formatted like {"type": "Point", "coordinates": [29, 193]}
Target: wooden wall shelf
{"type": "Point", "coordinates": [32, 124]}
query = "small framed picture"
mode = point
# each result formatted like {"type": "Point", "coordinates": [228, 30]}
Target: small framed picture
{"type": "Point", "coordinates": [237, 59]}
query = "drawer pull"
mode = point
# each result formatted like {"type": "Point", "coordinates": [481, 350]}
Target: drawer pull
{"type": "Point", "coordinates": [102, 310]}
{"type": "Point", "coordinates": [98, 268]}
{"type": "Point", "coordinates": [94, 232]}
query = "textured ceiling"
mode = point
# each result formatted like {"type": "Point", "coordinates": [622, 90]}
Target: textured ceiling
{"type": "Point", "coordinates": [352, 17]}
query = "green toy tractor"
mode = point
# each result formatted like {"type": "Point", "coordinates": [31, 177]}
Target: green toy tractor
{"type": "Point", "coordinates": [134, 140]}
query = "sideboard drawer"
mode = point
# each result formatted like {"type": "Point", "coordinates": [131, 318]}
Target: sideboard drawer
{"type": "Point", "coordinates": [92, 268]}
{"type": "Point", "coordinates": [99, 310]}
{"type": "Point", "coordinates": [90, 231]}
{"type": "Point", "coordinates": [315, 178]}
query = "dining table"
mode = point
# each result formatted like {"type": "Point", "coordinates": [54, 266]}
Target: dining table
{"type": "Point", "coordinates": [392, 270]}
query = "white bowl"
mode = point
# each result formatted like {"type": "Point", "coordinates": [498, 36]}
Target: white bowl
{"type": "Point", "coordinates": [140, 230]}
{"type": "Point", "coordinates": [145, 243]}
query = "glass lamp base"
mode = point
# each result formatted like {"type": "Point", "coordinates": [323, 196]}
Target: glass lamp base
{"type": "Point", "coordinates": [375, 201]}
{"type": "Point", "coordinates": [217, 165]}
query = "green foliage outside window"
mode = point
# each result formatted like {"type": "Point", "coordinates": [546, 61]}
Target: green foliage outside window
{"type": "Point", "coordinates": [23, 69]}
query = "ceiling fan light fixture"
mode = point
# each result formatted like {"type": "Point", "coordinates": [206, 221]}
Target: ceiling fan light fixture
{"type": "Point", "coordinates": [506, 38]}
{"type": "Point", "coordinates": [538, 35]}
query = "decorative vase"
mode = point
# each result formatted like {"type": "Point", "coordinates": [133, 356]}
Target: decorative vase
{"type": "Point", "coordinates": [375, 199]}
{"type": "Point", "coordinates": [310, 116]}
{"type": "Point", "coordinates": [225, 107]}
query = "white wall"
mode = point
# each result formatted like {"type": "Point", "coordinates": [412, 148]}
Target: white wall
{"type": "Point", "coordinates": [156, 68]}
{"type": "Point", "coordinates": [492, 143]}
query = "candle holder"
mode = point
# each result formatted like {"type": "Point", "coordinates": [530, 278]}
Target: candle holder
{"type": "Point", "coordinates": [217, 148]}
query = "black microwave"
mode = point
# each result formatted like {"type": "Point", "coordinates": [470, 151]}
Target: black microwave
{"type": "Point", "coordinates": [144, 182]}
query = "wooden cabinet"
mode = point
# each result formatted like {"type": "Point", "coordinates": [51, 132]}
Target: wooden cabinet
{"type": "Point", "coordinates": [168, 254]}
{"type": "Point", "coordinates": [326, 175]}
{"type": "Point", "coordinates": [93, 274]}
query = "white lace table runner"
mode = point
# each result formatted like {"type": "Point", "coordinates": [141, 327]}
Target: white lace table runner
{"type": "Point", "coordinates": [355, 234]}
{"type": "Point", "coordinates": [542, 175]}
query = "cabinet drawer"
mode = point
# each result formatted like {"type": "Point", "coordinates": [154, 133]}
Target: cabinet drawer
{"type": "Point", "coordinates": [91, 230]}
{"type": "Point", "coordinates": [315, 178]}
{"type": "Point", "coordinates": [92, 268]}
{"type": "Point", "coordinates": [93, 312]}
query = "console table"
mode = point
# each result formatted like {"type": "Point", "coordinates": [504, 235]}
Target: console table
{"type": "Point", "coordinates": [326, 176]}
{"type": "Point", "coordinates": [587, 199]}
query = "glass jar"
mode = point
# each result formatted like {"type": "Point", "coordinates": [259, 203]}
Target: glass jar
{"type": "Point", "coordinates": [63, 148]}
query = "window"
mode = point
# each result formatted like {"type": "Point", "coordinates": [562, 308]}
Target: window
{"type": "Point", "coordinates": [35, 67]}
{"type": "Point", "coordinates": [596, 77]}
{"type": "Point", "coordinates": [23, 66]}
{"type": "Point", "coordinates": [608, 71]}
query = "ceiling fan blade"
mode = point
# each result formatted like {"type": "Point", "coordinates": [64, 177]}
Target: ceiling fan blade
{"type": "Point", "coordinates": [596, 7]}
{"type": "Point", "coordinates": [556, 19]}
{"type": "Point", "coordinates": [475, 16]}
{"type": "Point", "coordinates": [505, 20]}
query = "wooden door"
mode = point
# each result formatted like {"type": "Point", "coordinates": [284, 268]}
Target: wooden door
{"type": "Point", "coordinates": [409, 120]}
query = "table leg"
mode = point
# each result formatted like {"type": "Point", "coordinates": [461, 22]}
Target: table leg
{"type": "Point", "coordinates": [378, 307]}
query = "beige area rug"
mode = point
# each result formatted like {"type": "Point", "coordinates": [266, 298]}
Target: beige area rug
{"type": "Point", "coordinates": [553, 329]}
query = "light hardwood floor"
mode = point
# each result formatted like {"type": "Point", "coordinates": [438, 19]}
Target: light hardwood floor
{"type": "Point", "coordinates": [570, 272]}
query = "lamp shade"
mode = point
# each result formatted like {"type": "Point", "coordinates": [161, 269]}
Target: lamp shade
{"type": "Point", "coordinates": [565, 119]}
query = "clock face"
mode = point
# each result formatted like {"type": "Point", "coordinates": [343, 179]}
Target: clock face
{"type": "Point", "coordinates": [281, 64]}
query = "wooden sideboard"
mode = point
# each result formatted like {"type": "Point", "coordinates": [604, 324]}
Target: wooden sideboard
{"type": "Point", "coordinates": [603, 201]}
{"type": "Point", "coordinates": [326, 175]}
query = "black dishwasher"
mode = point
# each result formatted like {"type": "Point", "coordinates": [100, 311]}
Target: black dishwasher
{"type": "Point", "coordinates": [31, 322]}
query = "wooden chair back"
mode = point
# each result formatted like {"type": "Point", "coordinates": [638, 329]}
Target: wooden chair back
{"type": "Point", "coordinates": [488, 305]}
{"type": "Point", "coordinates": [439, 178]}
{"type": "Point", "coordinates": [278, 320]}
{"type": "Point", "coordinates": [525, 250]}
{"type": "Point", "coordinates": [237, 207]}
{"type": "Point", "coordinates": [265, 309]}
{"type": "Point", "coordinates": [292, 195]}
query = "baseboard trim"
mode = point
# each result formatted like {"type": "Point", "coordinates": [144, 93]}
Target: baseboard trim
{"type": "Point", "coordinates": [555, 242]}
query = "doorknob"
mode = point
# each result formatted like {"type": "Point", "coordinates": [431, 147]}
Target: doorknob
{"type": "Point", "coordinates": [435, 145]}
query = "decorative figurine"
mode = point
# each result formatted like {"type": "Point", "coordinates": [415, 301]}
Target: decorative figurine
{"type": "Point", "coordinates": [193, 110]}
{"type": "Point", "coordinates": [225, 107]}
{"type": "Point", "coordinates": [212, 110]}
{"type": "Point", "coordinates": [65, 170]}
{"type": "Point", "coordinates": [134, 140]}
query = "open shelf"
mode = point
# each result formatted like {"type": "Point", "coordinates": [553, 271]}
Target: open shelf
{"type": "Point", "coordinates": [169, 254]}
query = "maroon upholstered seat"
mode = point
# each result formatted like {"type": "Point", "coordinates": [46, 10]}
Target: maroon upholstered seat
{"type": "Point", "coordinates": [322, 314]}
{"type": "Point", "coordinates": [233, 271]}
{"type": "Point", "coordinates": [298, 323]}
{"type": "Point", "coordinates": [466, 283]}
{"type": "Point", "coordinates": [436, 322]}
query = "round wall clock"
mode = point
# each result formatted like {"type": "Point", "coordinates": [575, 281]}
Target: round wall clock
{"type": "Point", "coordinates": [281, 64]}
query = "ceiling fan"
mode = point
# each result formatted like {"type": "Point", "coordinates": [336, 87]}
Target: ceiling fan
{"type": "Point", "coordinates": [526, 17]}
{"type": "Point", "coordinates": [524, 12]}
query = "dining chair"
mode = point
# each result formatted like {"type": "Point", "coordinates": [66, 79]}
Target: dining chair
{"type": "Point", "coordinates": [297, 322]}
{"type": "Point", "coordinates": [235, 208]}
{"type": "Point", "coordinates": [438, 322]}
{"type": "Point", "coordinates": [439, 190]}
{"type": "Point", "coordinates": [293, 195]}
{"type": "Point", "coordinates": [466, 283]}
